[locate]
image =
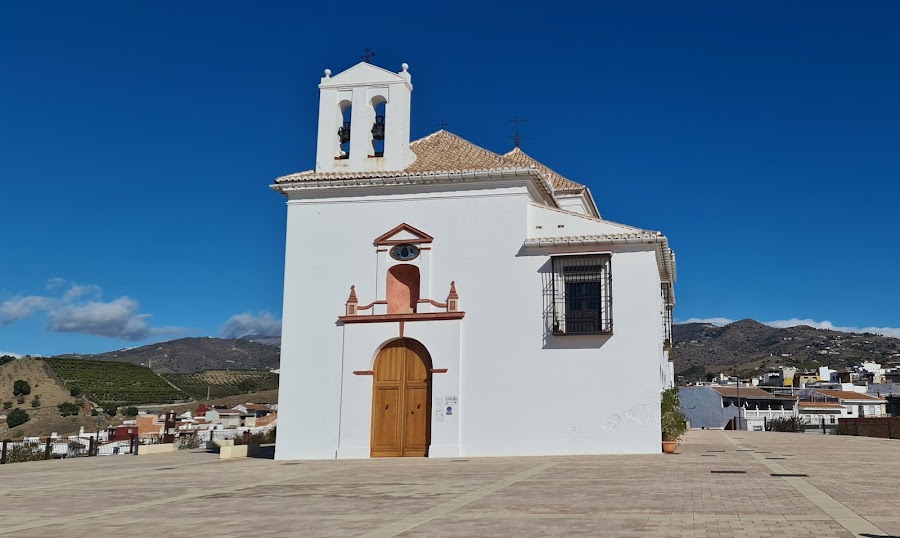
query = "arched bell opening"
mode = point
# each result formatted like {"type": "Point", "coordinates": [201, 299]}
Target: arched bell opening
{"type": "Point", "coordinates": [379, 105]}
{"type": "Point", "coordinates": [343, 130]}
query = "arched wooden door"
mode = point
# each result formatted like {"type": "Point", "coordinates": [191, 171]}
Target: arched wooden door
{"type": "Point", "coordinates": [401, 400]}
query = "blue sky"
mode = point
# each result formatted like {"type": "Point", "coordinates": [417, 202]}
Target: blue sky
{"type": "Point", "coordinates": [137, 143]}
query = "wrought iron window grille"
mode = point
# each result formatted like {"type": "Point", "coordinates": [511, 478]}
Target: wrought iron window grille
{"type": "Point", "coordinates": [578, 299]}
{"type": "Point", "coordinates": [668, 306]}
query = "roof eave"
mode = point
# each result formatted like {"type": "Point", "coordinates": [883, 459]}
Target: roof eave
{"type": "Point", "coordinates": [397, 178]}
{"type": "Point", "coordinates": [665, 256]}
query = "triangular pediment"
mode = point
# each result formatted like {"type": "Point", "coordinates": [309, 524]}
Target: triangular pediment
{"type": "Point", "coordinates": [403, 233]}
{"type": "Point", "coordinates": [363, 73]}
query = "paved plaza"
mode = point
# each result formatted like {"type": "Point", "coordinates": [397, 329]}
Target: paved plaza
{"type": "Point", "coordinates": [851, 489]}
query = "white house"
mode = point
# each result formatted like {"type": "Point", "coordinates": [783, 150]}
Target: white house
{"type": "Point", "coordinates": [820, 413]}
{"type": "Point", "coordinates": [852, 404]}
{"type": "Point", "coordinates": [444, 300]}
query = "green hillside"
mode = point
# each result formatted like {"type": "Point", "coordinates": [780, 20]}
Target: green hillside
{"type": "Point", "coordinates": [115, 383]}
{"type": "Point", "coordinates": [222, 383]}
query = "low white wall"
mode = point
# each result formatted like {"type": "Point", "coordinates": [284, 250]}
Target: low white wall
{"type": "Point", "coordinates": [219, 443]}
{"type": "Point", "coordinates": [239, 451]}
{"type": "Point", "coordinates": [155, 449]}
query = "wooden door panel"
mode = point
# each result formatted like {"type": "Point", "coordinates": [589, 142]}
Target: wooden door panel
{"type": "Point", "coordinates": [389, 365]}
{"type": "Point", "coordinates": [416, 370]}
{"type": "Point", "coordinates": [418, 363]}
{"type": "Point", "coordinates": [401, 406]}
{"type": "Point", "coordinates": [386, 417]}
{"type": "Point", "coordinates": [417, 416]}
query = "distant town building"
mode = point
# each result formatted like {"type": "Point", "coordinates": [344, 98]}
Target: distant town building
{"type": "Point", "coordinates": [716, 407]}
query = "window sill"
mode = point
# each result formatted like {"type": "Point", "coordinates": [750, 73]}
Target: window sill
{"type": "Point", "coordinates": [593, 333]}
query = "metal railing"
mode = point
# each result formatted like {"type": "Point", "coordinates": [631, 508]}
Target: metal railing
{"type": "Point", "coordinates": [55, 448]}
{"type": "Point", "coordinates": [35, 449]}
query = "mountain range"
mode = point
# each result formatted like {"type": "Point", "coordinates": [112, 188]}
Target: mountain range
{"type": "Point", "coordinates": [749, 347]}
{"type": "Point", "coordinates": [186, 355]}
{"type": "Point", "coordinates": [745, 347]}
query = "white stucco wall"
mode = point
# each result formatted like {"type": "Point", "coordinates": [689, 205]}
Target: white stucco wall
{"type": "Point", "coordinates": [519, 391]}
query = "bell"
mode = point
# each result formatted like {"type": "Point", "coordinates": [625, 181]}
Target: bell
{"type": "Point", "coordinates": [344, 132]}
{"type": "Point", "coordinates": [378, 128]}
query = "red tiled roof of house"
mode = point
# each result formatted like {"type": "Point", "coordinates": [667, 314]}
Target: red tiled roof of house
{"type": "Point", "coordinates": [750, 393]}
{"type": "Point", "coordinates": [271, 418]}
{"type": "Point", "coordinates": [821, 405]}
{"type": "Point", "coordinates": [148, 424]}
{"type": "Point", "coordinates": [255, 407]}
{"type": "Point", "coordinates": [846, 395]}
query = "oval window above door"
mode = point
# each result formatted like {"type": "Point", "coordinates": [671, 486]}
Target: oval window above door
{"type": "Point", "coordinates": [404, 252]}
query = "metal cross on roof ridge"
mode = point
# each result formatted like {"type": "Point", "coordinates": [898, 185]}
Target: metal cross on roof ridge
{"type": "Point", "coordinates": [368, 55]}
{"type": "Point", "coordinates": [516, 137]}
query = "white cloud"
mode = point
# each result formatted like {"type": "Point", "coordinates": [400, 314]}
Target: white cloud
{"type": "Point", "coordinates": [76, 292]}
{"type": "Point", "coordinates": [794, 322]}
{"type": "Point", "coordinates": [264, 324]}
{"type": "Point", "coordinates": [22, 307]}
{"type": "Point", "coordinates": [80, 309]}
{"type": "Point", "coordinates": [712, 321]}
{"type": "Point", "coordinates": [11, 354]}
{"type": "Point", "coordinates": [116, 318]}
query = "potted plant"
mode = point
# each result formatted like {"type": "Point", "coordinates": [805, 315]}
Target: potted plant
{"type": "Point", "coordinates": [672, 420]}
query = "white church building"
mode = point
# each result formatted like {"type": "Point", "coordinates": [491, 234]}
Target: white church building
{"type": "Point", "coordinates": [443, 300]}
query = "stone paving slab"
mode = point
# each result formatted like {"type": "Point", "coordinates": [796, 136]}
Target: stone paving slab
{"type": "Point", "coordinates": [846, 493]}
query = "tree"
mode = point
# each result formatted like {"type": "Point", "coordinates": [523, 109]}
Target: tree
{"type": "Point", "coordinates": [7, 405]}
{"type": "Point", "coordinates": [21, 388]}
{"type": "Point", "coordinates": [36, 401]}
{"type": "Point", "coordinates": [247, 385]}
{"type": "Point", "coordinates": [786, 424]}
{"type": "Point", "coordinates": [6, 358]}
{"type": "Point", "coordinates": [94, 412]}
{"type": "Point", "coordinates": [110, 410]}
{"type": "Point", "coordinates": [130, 411]}
{"type": "Point", "coordinates": [696, 372]}
{"type": "Point", "coordinates": [17, 417]}
{"type": "Point", "coordinates": [75, 392]}
{"type": "Point", "coordinates": [68, 409]}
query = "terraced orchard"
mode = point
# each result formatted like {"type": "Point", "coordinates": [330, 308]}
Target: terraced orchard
{"type": "Point", "coordinates": [221, 383]}
{"type": "Point", "coordinates": [118, 383]}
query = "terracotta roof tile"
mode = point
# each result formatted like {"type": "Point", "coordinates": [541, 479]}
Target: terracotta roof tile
{"type": "Point", "coordinates": [255, 407]}
{"type": "Point", "coordinates": [750, 393]}
{"type": "Point", "coordinates": [825, 405]}
{"type": "Point", "coordinates": [267, 419]}
{"type": "Point", "coordinates": [443, 151]}
{"type": "Point", "coordinates": [559, 182]}
{"type": "Point", "coordinates": [845, 394]}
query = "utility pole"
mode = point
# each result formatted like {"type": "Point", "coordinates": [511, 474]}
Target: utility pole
{"type": "Point", "coordinates": [737, 386]}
